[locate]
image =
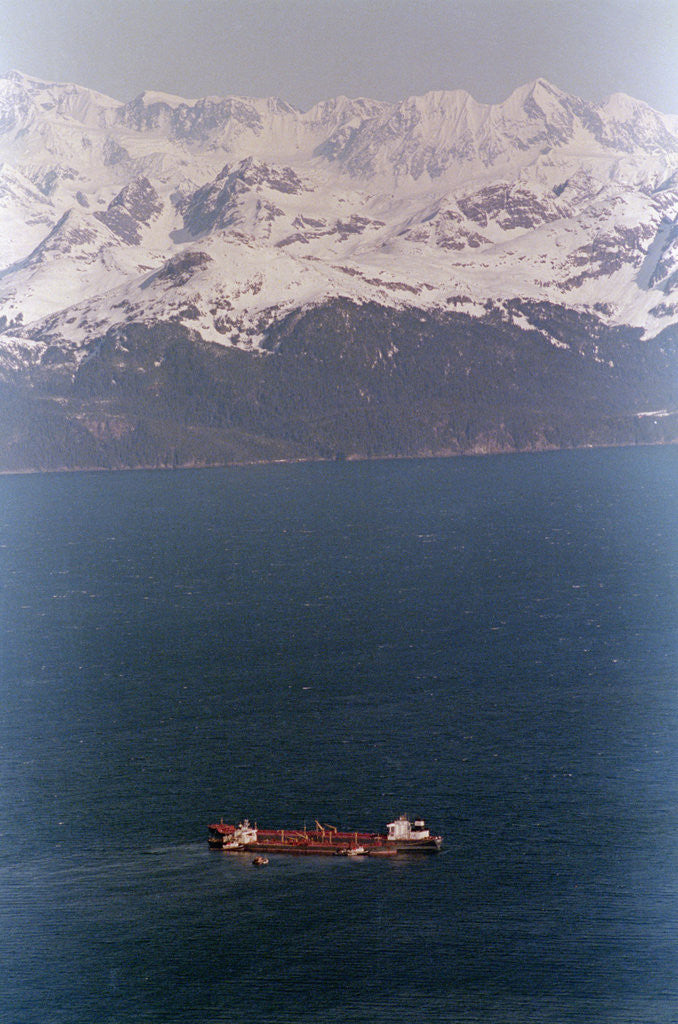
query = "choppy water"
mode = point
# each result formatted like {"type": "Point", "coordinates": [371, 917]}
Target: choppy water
{"type": "Point", "coordinates": [490, 643]}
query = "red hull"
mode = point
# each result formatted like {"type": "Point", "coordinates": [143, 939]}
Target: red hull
{"type": "Point", "coordinates": [317, 842]}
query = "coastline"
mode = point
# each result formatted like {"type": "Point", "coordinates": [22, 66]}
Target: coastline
{"type": "Point", "coordinates": [250, 463]}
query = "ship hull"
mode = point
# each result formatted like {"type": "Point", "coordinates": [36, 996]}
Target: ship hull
{"type": "Point", "coordinates": [318, 844]}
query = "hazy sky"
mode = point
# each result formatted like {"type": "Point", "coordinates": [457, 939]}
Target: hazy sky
{"type": "Point", "coordinates": [306, 50]}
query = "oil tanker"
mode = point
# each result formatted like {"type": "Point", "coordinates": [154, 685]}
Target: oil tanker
{"type": "Point", "coordinates": [401, 836]}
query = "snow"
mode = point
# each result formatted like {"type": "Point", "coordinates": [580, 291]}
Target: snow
{"type": "Point", "coordinates": [438, 202]}
{"type": "Point", "coordinates": [148, 98]}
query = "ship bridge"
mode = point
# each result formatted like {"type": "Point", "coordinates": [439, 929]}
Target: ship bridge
{"type": "Point", "coordinates": [402, 829]}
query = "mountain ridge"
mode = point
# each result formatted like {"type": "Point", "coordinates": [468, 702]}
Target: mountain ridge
{"type": "Point", "coordinates": [224, 217]}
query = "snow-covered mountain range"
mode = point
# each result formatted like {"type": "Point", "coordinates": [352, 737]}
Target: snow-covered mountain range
{"type": "Point", "coordinates": [227, 213]}
{"type": "Point", "coordinates": [225, 216]}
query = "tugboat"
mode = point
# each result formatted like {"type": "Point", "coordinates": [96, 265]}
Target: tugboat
{"type": "Point", "coordinates": [355, 851]}
{"type": "Point", "coordinates": [401, 836]}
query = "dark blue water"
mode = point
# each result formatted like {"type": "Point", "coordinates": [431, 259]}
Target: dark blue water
{"type": "Point", "coordinates": [490, 643]}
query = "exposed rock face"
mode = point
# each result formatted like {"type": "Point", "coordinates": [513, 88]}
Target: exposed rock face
{"type": "Point", "coordinates": [217, 205]}
{"type": "Point", "coordinates": [133, 208]}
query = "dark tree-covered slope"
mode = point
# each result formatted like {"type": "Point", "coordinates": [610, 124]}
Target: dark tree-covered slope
{"type": "Point", "coordinates": [343, 380]}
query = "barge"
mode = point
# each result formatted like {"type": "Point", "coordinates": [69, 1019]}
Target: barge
{"type": "Point", "coordinates": [401, 836]}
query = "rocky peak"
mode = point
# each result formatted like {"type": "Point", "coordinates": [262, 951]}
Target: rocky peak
{"type": "Point", "coordinates": [25, 94]}
{"type": "Point", "coordinates": [214, 205]}
{"type": "Point", "coordinates": [195, 120]}
{"type": "Point", "coordinates": [135, 205]}
{"type": "Point", "coordinates": [140, 199]}
{"type": "Point", "coordinates": [629, 124]}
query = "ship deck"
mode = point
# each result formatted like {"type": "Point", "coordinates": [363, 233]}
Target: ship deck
{"type": "Point", "coordinates": [318, 841]}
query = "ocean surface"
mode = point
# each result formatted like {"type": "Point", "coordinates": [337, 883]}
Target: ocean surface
{"type": "Point", "coordinates": [490, 643]}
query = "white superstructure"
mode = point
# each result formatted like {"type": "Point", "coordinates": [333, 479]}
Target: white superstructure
{"type": "Point", "coordinates": [242, 834]}
{"type": "Point", "coordinates": [403, 829]}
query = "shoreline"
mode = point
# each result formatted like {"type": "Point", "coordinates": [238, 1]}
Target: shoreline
{"type": "Point", "coordinates": [249, 463]}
